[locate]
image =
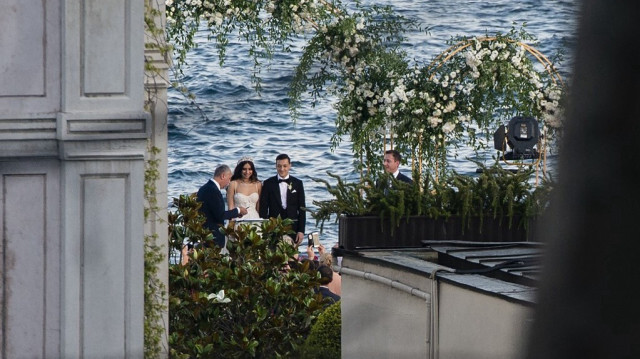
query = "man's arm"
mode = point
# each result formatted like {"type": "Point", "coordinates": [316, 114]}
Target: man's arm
{"type": "Point", "coordinates": [302, 213]}
{"type": "Point", "coordinates": [263, 203]}
{"type": "Point", "coordinates": [232, 213]}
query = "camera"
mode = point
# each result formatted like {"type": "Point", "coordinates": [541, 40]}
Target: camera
{"type": "Point", "coordinates": [314, 239]}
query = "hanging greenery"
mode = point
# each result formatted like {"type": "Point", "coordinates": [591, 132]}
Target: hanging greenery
{"type": "Point", "coordinates": [154, 288]}
{"type": "Point", "coordinates": [354, 56]}
{"type": "Point", "coordinates": [425, 110]}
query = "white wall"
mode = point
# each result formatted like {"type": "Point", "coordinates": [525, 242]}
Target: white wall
{"type": "Point", "coordinates": [383, 317]}
{"type": "Point", "coordinates": [72, 148]}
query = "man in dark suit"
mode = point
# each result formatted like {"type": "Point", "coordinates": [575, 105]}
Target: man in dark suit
{"type": "Point", "coordinates": [391, 165]}
{"type": "Point", "coordinates": [326, 277]}
{"type": "Point", "coordinates": [213, 203]}
{"type": "Point", "coordinates": [283, 195]}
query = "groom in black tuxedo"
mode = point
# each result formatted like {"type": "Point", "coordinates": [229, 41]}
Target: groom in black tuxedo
{"type": "Point", "coordinates": [283, 195]}
{"type": "Point", "coordinates": [213, 203]}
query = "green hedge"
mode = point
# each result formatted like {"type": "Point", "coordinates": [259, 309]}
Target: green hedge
{"type": "Point", "coordinates": [247, 304]}
{"type": "Point", "coordinates": [324, 339]}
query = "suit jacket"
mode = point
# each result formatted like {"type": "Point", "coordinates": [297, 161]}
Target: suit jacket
{"type": "Point", "coordinates": [213, 208]}
{"type": "Point", "coordinates": [404, 178]}
{"type": "Point", "coordinates": [385, 185]}
{"type": "Point", "coordinates": [271, 202]}
{"type": "Point", "coordinates": [326, 293]}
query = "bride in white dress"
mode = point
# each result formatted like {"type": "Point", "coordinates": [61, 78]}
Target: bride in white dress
{"type": "Point", "coordinates": [244, 189]}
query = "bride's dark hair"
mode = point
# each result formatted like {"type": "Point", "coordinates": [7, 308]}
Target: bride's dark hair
{"type": "Point", "coordinates": [237, 173]}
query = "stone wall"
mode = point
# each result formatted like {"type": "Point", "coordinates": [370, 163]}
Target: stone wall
{"type": "Point", "coordinates": [73, 136]}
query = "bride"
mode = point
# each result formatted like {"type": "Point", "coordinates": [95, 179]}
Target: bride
{"type": "Point", "coordinates": [244, 188]}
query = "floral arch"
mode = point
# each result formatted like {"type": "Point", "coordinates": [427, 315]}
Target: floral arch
{"type": "Point", "coordinates": [354, 54]}
{"type": "Point", "coordinates": [472, 56]}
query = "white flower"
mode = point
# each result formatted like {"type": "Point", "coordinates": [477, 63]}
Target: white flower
{"type": "Point", "coordinates": [448, 127]}
{"type": "Point", "coordinates": [400, 94]}
{"type": "Point", "coordinates": [218, 18]}
{"type": "Point", "coordinates": [218, 298]}
{"type": "Point", "coordinates": [450, 107]}
{"type": "Point", "coordinates": [434, 121]}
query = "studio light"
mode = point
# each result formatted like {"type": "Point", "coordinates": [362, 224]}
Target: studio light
{"type": "Point", "coordinates": [521, 135]}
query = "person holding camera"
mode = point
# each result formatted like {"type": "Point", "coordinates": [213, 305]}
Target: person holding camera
{"type": "Point", "coordinates": [324, 258]}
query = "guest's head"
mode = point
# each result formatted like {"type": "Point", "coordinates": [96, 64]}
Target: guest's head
{"type": "Point", "coordinates": [222, 175]}
{"type": "Point", "coordinates": [245, 170]}
{"type": "Point", "coordinates": [283, 165]}
{"type": "Point", "coordinates": [326, 274]}
{"type": "Point", "coordinates": [326, 259]}
{"type": "Point", "coordinates": [391, 161]}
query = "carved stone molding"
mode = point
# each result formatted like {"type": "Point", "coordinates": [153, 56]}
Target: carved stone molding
{"type": "Point", "coordinates": [88, 126]}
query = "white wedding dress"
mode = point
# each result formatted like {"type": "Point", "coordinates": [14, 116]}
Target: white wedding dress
{"type": "Point", "coordinates": [252, 216]}
{"type": "Point", "coordinates": [242, 200]}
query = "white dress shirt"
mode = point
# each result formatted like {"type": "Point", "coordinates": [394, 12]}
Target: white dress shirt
{"type": "Point", "coordinates": [283, 191]}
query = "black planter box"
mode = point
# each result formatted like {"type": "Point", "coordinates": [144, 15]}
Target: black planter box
{"type": "Point", "coordinates": [372, 232]}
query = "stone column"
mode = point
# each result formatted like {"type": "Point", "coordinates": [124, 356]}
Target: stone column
{"type": "Point", "coordinates": [73, 137]}
{"type": "Point", "coordinates": [156, 85]}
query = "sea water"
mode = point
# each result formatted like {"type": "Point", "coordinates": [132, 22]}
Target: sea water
{"type": "Point", "coordinates": [228, 119]}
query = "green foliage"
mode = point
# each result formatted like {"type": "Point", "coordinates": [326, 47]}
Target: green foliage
{"type": "Point", "coordinates": [154, 289]}
{"type": "Point", "coordinates": [265, 25]}
{"type": "Point", "coordinates": [477, 85]}
{"type": "Point", "coordinates": [186, 224]}
{"type": "Point", "coordinates": [354, 55]}
{"type": "Point", "coordinates": [495, 192]}
{"type": "Point", "coordinates": [248, 303]}
{"type": "Point", "coordinates": [324, 340]}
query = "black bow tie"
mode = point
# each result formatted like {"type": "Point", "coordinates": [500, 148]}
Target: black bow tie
{"type": "Point", "coordinates": [284, 180]}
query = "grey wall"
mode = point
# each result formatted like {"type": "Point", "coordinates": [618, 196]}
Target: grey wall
{"type": "Point", "coordinates": [72, 148]}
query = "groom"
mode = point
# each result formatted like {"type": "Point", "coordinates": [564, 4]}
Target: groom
{"type": "Point", "coordinates": [283, 195]}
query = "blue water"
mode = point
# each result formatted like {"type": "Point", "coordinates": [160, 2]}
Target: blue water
{"type": "Point", "coordinates": [230, 120]}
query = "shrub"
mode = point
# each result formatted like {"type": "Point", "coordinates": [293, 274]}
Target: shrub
{"type": "Point", "coordinates": [496, 192]}
{"type": "Point", "coordinates": [324, 339]}
{"type": "Point", "coordinates": [244, 304]}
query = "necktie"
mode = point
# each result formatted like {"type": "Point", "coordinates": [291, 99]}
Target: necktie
{"type": "Point", "coordinates": [283, 180]}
